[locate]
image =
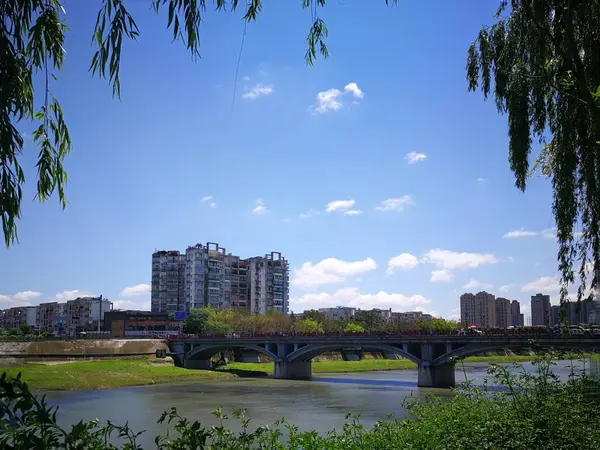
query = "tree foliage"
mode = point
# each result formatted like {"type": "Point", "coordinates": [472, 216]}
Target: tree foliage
{"type": "Point", "coordinates": [541, 62]}
{"type": "Point", "coordinates": [353, 327]}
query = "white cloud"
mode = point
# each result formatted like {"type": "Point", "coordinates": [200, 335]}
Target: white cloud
{"type": "Point", "coordinates": [414, 157]}
{"type": "Point", "coordinates": [261, 208]}
{"type": "Point", "coordinates": [354, 89]}
{"type": "Point", "coordinates": [511, 259]}
{"type": "Point", "coordinates": [441, 276]}
{"type": "Point", "coordinates": [19, 299]}
{"type": "Point", "coordinates": [138, 289]}
{"type": "Point", "coordinates": [520, 233]}
{"type": "Point", "coordinates": [331, 99]}
{"type": "Point", "coordinates": [330, 271]}
{"type": "Point", "coordinates": [549, 233]}
{"type": "Point", "coordinates": [209, 198]}
{"type": "Point", "coordinates": [395, 204]}
{"type": "Point", "coordinates": [71, 295]}
{"type": "Point", "coordinates": [340, 205]}
{"type": "Point", "coordinates": [403, 261]}
{"type": "Point", "coordinates": [351, 296]}
{"type": "Point", "coordinates": [481, 180]}
{"type": "Point", "coordinates": [257, 91]}
{"type": "Point", "coordinates": [328, 101]}
{"type": "Point", "coordinates": [543, 285]}
{"type": "Point", "coordinates": [140, 305]}
{"type": "Point", "coordinates": [308, 214]}
{"type": "Point", "coordinates": [474, 284]}
{"type": "Point", "coordinates": [455, 315]}
{"type": "Point", "coordinates": [506, 287]}
{"type": "Point", "coordinates": [449, 260]}
{"type": "Point", "coordinates": [353, 212]}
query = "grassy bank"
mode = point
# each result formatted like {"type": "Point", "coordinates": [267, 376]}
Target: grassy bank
{"type": "Point", "coordinates": [132, 372]}
{"type": "Point", "coordinates": [366, 365]}
{"type": "Point", "coordinates": [107, 374]}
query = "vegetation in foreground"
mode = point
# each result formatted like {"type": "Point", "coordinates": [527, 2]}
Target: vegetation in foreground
{"type": "Point", "coordinates": [534, 411]}
{"type": "Point", "coordinates": [88, 375]}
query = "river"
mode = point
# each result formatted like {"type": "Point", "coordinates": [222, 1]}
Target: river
{"type": "Point", "coordinates": [319, 404]}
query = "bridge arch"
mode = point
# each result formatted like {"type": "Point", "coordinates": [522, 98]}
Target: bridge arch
{"type": "Point", "coordinates": [205, 352]}
{"type": "Point", "coordinates": [310, 351]}
{"type": "Point", "coordinates": [475, 349]}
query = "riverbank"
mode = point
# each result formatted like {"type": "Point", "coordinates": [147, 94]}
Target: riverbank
{"type": "Point", "coordinates": [91, 375]}
{"type": "Point", "coordinates": [365, 365]}
{"type": "Point", "coordinates": [105, 374]}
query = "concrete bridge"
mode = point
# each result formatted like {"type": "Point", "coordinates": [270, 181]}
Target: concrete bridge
{"type": "Point", "coordinates": [435, 355]}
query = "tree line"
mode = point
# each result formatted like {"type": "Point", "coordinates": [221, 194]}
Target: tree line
{"type": "Point", "coordinates": [213, 321]}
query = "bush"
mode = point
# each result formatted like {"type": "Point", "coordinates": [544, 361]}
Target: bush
{"type": "Point", "coordinates": [531, 411]}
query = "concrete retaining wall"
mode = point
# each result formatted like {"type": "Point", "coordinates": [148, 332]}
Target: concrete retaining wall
{"type": "Point", "coordinates": [81, 348]}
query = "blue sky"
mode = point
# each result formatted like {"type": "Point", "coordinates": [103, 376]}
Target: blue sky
{"type": "Point", "coordinates": [385, 127]}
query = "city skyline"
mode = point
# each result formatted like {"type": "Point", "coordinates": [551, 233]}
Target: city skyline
{"type": "Point", "coordinates": [365, 176]}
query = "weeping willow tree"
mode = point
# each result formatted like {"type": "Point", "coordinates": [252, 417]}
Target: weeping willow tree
{"type": "Point", "coordinates": [540, 61]}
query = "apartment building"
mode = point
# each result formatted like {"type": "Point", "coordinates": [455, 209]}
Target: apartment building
{"type": "Point", "coordinates": [411, 317]}
{"type": "Point", "coordinates": [85, 314]}
{"type": "Point", "coordinates": [478, 309]}
{"type": "Point", "coordinates": [585, 312]}
{"type": "Point", "coordinates": [516, 318]}
{"type": "Point", "coordinates": [540, 310]}
{"type": "Point", "coordinates": [338, 313]}
{"type": "Point", "coordinates": [18, 316]}
{"type": "Point", "coordinates": [206, 275]}
{"type": "Point", "coordinates": [268, 282]}
{"type": "Point", "coordinates": [168, 281]}
{"type": "Point", "coordinates": [503, 313]}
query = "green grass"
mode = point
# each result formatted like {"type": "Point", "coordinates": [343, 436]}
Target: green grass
{"type": "Point", "coordinates": [365, 365]}
{"type": "Point", "coordinates": [132, 372]}
{"type": "Point", "coordinates": [107, 374]}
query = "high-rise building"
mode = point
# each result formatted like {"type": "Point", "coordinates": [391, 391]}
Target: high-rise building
{"type": "Point", "coordinates": [503, 312]}
{"type": "Point", "coordinates": [478, 309]}
{"type": "Point", "coordinates": [268, 282]}
{"type": "Point", "coordinates": [516, 318]}
{"type": "Point", "coordinates": [540, 310]}
{"type": "Point", "coordinates": [168, 281]}
{"type": "Point", "coordinates": [584, 312]}
{"type": "Point", "coordinates": [212, 277]}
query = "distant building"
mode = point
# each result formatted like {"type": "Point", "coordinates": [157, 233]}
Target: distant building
{"type": "Point", "coordinates": [206, 275]}
{"type": "Point", "coordinates": [268, 283]}
{"type": "Point", "coordinates": [503, 313]}
{"type": "Point", "coordinates": [168, 281]}
{"type": "Point", "coordinates": [85, 314]}
{"type": "Point", "coordinates": [18, 316]}
{"type": "Point", "coordinates": [582, 313]}
{"type": "Point", "coordinates": [411, 317]}
{"type": "Point", "coordinates": [516, 318]}
{"type": "Point", "coordinates": [478, 309]}
{"type": "Point", "coordinates": [338, 313]}
{"type": "Point", "coordinates": [540, 310]}
{"type": "Point", "coordinates": [140, 323]}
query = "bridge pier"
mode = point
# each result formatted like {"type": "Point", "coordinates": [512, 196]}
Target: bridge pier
{"type": "Point", "coordinates": [197, 364]}
{"type": "Point", "coordinates": [294, 370]}
{"type": "Point", "coordinates": [436, 376]}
